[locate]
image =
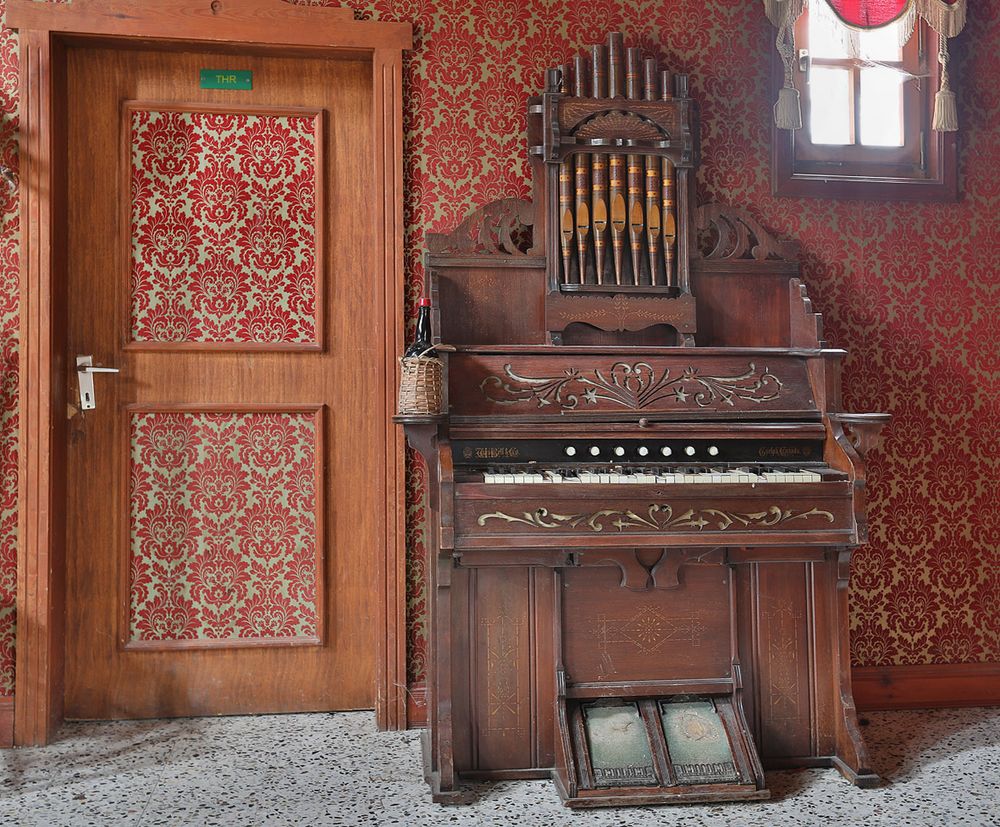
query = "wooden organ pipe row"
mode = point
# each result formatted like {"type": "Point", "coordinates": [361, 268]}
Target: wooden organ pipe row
{"type": "Point", "coordinates": [630, 195]}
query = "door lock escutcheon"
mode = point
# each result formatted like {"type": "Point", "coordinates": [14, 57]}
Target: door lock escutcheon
{"type": "Point", "coordinates": [85, 370]}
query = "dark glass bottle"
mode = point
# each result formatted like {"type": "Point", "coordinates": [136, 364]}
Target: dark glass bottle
{"type": "Point", "coordinates": [422, 339]}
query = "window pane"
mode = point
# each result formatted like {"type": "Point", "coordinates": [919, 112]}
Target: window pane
{"type": "Point", "coordinates": [881, 107]}
{"type": "Point", "coordinates": [881, 44]}
{"type": "Point", "coordinates": [830, 109]}
{"type": "Point", "coordinates": [826, 39]}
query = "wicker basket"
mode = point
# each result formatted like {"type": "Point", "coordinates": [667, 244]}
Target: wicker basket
{"type": "Point", "coordinates": [421, 380]}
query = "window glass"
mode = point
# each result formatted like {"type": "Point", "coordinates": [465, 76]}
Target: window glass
{"type": "Point", "coordinates": [881, 110]}
{"type": "Point", "coordinates": [830, 112]}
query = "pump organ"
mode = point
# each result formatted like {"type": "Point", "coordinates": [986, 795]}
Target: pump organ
{"type": "Point", "coordinates": [644, 492]}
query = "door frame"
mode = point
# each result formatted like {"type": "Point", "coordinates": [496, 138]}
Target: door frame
{"type": "Point", "coordinates": [289, 30]}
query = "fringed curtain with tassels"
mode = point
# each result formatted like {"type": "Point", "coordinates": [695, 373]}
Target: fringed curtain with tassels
{"type": "Point", "coordinates": [946, 17]}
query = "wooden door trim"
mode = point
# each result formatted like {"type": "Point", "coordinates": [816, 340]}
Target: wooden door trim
{"type": "Point", "coordinates": [44, 29]}
{"type": "Point", "coordinates": [257, 22]}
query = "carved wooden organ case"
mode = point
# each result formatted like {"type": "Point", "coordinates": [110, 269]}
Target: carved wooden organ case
{"type": "Point", "coordinates": [642, 507]}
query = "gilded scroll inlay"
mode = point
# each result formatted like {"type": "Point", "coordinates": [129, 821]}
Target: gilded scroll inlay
{"type": "Point", "coordinates": [658, 517]}
{"type": "Point", "coordinates": [636, 386]}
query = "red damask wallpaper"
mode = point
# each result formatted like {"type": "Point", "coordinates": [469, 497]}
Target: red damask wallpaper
{"type": "Point", "coordinates": [223, 526]}
{"type": "Point", "coordinates": [910, 289]}
{"type": "Point", "coordinates": [223, 227]}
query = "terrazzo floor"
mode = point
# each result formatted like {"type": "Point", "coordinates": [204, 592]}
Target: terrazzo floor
{"type": "Point", "coordinates": [942, 768]}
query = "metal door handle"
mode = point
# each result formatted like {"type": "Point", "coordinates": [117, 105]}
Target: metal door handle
{"type": "Point", "coordinates": [85, 370]}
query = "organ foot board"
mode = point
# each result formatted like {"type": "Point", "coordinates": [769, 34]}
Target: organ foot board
{"type": "Point", "coordinates": [688, 745]}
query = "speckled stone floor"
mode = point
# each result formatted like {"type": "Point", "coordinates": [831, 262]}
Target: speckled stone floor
{"type": "Point", "coordinates": [942, 768]}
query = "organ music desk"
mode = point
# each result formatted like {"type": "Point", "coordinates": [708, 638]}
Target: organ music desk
{"type": "Point", "coordinates": [644, 493]}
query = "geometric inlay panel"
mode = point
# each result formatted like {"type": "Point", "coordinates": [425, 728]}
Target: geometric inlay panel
{"type": "Point", "coordinates": [223, 227]}
{"type": "Point", "coordinates": [223, 527]}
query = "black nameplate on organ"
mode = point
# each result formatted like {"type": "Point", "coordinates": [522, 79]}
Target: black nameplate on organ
{"type": "Point", "coordinates": [481, 453]}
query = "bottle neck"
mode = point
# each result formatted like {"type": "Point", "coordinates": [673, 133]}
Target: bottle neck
{"type": "Point", "coordinates": [423, 333]}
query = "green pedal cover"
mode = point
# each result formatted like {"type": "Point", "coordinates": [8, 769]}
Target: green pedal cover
{"type": "Point", "coordinates": [619, 746]}
{"type": "Point", "coordinates": [698, 744]}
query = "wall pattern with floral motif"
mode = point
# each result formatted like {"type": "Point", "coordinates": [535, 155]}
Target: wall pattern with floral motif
{"type": "Point", "coordinates": [223, 526]}
{"type": "Point", "coordinates": [910, 289]}
{"type": "Point", "coordinates": [223, 227]}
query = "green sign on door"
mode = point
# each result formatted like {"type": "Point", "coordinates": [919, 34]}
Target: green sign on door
{"type": "Point", "coordinates": [226, 79]}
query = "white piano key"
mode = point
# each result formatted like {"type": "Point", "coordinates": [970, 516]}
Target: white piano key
{"type": "Point", "coordinates": [777, 476]}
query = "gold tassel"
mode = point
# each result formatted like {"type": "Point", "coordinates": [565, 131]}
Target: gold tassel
{"type": "Point", "coordinates": [945, 110]}
{"type": "Point", "coordinates": [788, 111]}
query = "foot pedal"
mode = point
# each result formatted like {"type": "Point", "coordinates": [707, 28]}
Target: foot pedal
{"type": "Point", "coordinates": [680, 748]}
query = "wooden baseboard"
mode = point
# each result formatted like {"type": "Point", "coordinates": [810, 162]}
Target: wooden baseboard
{"type": "Point", "coordinates": [875, 687]}
{"type": "Point", "coordinates": [416, 706]}
{"type": "Point", "coordinates": [936, 685]}
{"type": "Point", "coordinates": [6, 721]}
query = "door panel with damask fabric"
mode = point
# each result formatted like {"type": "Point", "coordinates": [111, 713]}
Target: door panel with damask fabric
{"type": "Point", "coordinates": [221, 535]}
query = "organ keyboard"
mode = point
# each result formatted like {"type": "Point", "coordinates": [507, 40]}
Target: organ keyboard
{"type": "Point", "coordinates": [658, 475]}
{"type": "Point", "coordinates": [641, 509]}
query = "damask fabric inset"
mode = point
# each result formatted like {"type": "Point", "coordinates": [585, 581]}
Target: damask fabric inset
{"type": "Point", "coordinates": [223, 227]}
{"type": "Point", "coordinates": [223, 527]}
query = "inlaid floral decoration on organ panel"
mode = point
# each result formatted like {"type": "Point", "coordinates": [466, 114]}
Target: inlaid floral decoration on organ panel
{"type": "Point", "coordinates": [908, 289]}
{"type": "Point", "coordinates": [223, 527]}
{"type": "Point", "coordinates": [634, 385]}
{"type": "Point", "coordinates": [223, 227]}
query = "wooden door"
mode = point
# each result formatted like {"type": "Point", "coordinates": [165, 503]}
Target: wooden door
{"type": "Point", "coordinates": [223, 514]}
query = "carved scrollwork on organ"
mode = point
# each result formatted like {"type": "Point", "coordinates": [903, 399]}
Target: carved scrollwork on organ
{"type": "Point", "coordinates": [659, 517]}
{"type": "Point", "coordinates": [500, 228]}
{"type": "Point", "coordinates": [726, 232]}
{"type": "Point", "coordinates": [635, 385]}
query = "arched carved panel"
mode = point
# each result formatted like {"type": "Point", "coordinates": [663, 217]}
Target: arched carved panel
{"type": "Point", "coordinates": [726, 232]}
{"type": "Point", "coordinates": [501, 227]}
